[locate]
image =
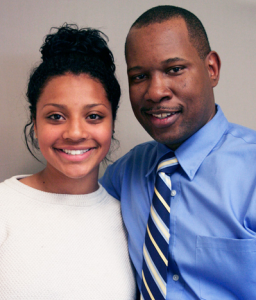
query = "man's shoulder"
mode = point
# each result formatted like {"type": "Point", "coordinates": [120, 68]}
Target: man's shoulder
{"type": "Point", "coordinates": [244, 134]}
{"type": "Point", "coordinates": [129, 167]}
{"type": "Point", "coordinates": [141, 156]}
{"type": "Point", "coordinates": [139, 151]}
{"type": "Point", "coordinates": [144, 147]}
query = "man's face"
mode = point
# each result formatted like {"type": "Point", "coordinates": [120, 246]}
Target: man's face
{"type": "Point", "coordinates": [171, 88]}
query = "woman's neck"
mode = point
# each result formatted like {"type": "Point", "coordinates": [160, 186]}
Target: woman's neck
{"type": "Point", "coordinates": [54, 182]}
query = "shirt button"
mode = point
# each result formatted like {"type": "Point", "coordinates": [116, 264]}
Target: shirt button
{"type": "Point", "coordinates": [173, 193]}
{"type": "Point", "coordinates": [175, 277]}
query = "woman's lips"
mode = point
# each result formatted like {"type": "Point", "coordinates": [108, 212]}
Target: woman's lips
{"type": "Point", "coordinates": [74, 155]}
{"type": "Point", "coordinates": [74, 152]}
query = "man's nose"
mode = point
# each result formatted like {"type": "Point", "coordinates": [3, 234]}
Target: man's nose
{"type": "Point", "coordinates": [158, 89]}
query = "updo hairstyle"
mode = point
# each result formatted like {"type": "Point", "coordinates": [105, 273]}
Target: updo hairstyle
{"type": "Point", "coordinates": [75, 51]}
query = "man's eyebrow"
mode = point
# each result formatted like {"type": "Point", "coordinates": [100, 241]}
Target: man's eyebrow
{"type": "Point", "coordinates": [172, 60]}
{"type": "Point", "coordinates": [136, 68]}
{"type": "Point", "coordinates": [167, 61]}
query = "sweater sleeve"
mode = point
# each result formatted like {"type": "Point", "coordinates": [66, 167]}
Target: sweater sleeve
{"type": "Point", "coordinates": [3, 230]}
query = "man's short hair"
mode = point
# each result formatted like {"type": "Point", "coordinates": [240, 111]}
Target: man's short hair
{"type": "Point", "coordinates": [196, 31]}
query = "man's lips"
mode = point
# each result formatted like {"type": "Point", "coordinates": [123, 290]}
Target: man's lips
{"type": "Point", "coordinates": [162, 114]}
{"type": "Point", "coordinates": [162, 118]}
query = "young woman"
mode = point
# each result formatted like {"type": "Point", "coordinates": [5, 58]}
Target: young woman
{"type": "Point", "coordinates": [61, 234]}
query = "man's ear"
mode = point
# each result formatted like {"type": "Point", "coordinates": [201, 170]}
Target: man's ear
{"type": "Point", "coordinates": [213, 65]}
{"type": "Point", "coordinates": [113, 129]}
{"type": "Point", "coordinates": [35, 129]}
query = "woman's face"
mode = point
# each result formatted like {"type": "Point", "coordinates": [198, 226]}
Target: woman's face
{"type": "Point", "coordinates": [73, 126]}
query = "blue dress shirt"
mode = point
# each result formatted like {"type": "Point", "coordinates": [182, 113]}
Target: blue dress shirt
{"type": "Point", "coordinates": [212, 251]}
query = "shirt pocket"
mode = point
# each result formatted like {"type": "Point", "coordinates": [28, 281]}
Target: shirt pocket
{"type": "Point", "coordinates": [226, 268]}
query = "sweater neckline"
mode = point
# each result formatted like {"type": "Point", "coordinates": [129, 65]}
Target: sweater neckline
{"type": "Point", "coordinates": [58, 199]}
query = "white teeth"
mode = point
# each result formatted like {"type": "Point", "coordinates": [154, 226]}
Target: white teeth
{"type": "Point", "coordinates": [162, 116]}
{"type": "Point", "coordinates": [75, 152]}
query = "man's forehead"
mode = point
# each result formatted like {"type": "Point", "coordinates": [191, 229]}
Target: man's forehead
{"type": "Point", "coordinates": [155, 28]}
{"type": "Point", "coordinates": [156, 32]}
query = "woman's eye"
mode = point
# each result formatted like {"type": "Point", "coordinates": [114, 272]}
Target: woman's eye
{"type": "Point", "coordinates": [94, 117]}
{"type": "Point", "coordinates": [55, 117]}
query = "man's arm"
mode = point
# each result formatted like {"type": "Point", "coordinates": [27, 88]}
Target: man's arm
{"type": "Point", "coordinates": [111, 180]}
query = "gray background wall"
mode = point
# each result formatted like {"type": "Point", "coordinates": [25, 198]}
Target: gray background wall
{"type": "Point", "coordinates": [230, 25]}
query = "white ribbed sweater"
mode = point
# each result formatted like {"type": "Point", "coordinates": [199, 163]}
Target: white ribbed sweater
{"type": "Point", "coordinates": [62, 247]}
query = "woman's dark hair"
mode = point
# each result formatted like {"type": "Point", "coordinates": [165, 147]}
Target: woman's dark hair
{"type": "Point", "coordinates": [76, 51]}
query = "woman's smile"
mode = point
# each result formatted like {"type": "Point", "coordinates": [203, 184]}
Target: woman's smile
{"type": "Point", "coordinates": [74, 126]}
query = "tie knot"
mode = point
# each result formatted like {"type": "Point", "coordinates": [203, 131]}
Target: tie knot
{"type": "Point", "coordinates": [168, 165]}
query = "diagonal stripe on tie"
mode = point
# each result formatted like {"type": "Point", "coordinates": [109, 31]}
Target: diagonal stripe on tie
{"type": "Point", "coordinates": [152, 286]}
{"type": "Point", "coordinates": [161, 211]}
{"type": "Point", "coordinates": [167, 163]}
{"type": "Point", "coordinates": [155, 249]}
{"type": "Point", "coordinates": [154, 272]}
{"type": "Point", "coordinates": [162, 228]}
{"type": "Point", "coordinates": [161, 242]}
{"type": "Point", "coordinates": [162, 200]}
{"type": "Point", "coordinates": [160, 261]}
{"type": "Point", "coordinates": [147, 288]}
{"type": "Point", "coordinates": [161, 254]}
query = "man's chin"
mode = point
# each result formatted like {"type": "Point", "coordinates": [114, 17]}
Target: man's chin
{"type": "Point", "coordinates": [171, 142]}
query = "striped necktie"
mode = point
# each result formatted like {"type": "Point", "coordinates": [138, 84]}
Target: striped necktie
{"type": "Point", "coordinates": [155, 248]}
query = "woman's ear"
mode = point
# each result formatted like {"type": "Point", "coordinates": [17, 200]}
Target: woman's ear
{"type": "Point", "coordinates": [35, 129]}
{"type": "Point", "coordinates": [213, 65]}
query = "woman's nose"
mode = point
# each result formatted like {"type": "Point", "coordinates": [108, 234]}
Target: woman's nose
{"type": "Point", "coordinates": [76, 130]}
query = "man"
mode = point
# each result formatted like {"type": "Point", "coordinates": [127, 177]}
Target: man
{"type": "Point", "coordinates": [212, 246]}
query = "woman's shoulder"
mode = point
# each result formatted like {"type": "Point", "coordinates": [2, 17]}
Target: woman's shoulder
{"type": "Point", "coordinates": [109, 200]}
{"type": "Point", "coordinates": [10, 187]}
{"type": "Point", "coordinates": [12, 182]}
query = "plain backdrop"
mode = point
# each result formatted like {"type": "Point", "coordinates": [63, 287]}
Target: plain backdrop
{"type": "Point", "coordinates": [230, 25]}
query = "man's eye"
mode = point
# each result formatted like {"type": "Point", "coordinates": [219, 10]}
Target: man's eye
{"type": "Point", "coordinates": [175, 69]}
{"type": "Point", "coordinates": [55, 117]}
{"type": "Point", "coordinates": [142, 76]}
{"type": "Point", "coordinates": [138, 77]}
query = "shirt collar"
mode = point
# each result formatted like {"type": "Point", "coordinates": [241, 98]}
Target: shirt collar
{"type": "Point", "coordinates": [161, 150]}
{"type": "Point", "coordinates": [194, 150]}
